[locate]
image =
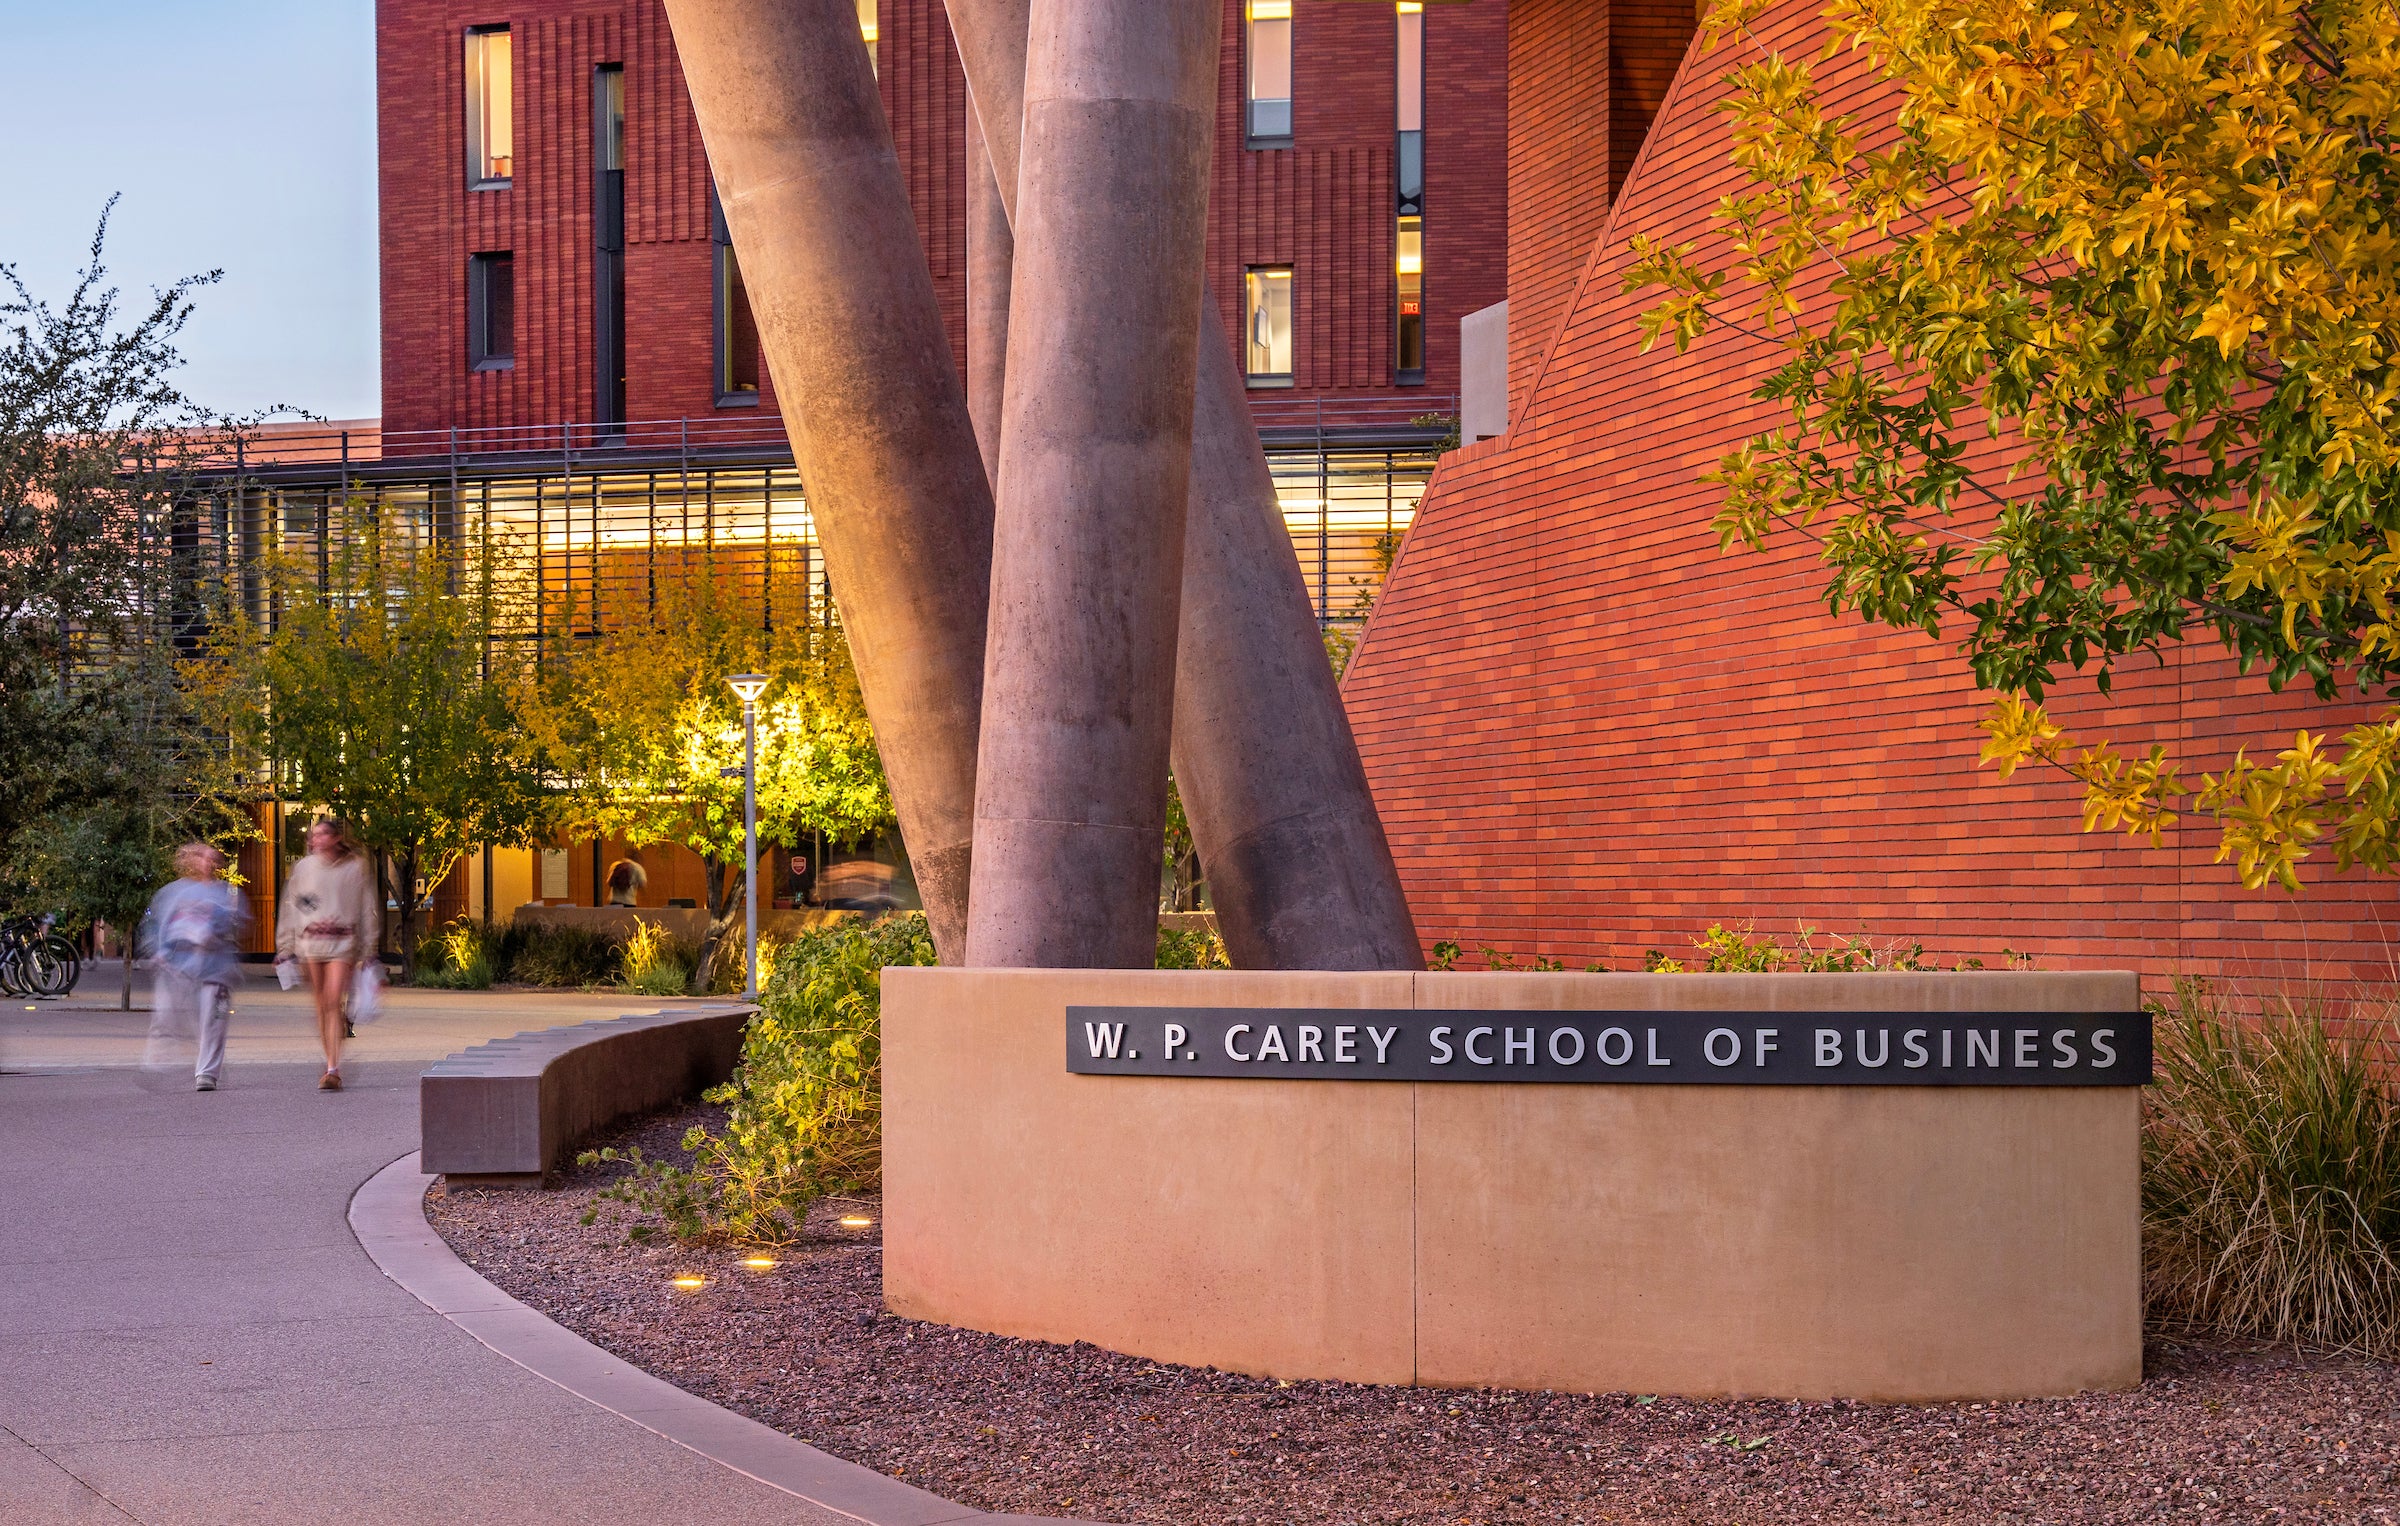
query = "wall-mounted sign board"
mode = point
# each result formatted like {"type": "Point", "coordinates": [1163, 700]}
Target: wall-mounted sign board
{"type": "Point", "coordinates": [1614, 1048]}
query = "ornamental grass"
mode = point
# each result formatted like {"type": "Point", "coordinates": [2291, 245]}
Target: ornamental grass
{"type": "Point", "coordinates": [2271, 1171]}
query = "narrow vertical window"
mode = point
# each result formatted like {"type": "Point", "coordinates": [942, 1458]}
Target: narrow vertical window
{"type": "Point", "coordinates": [1409, 273]}
{"type": "Point", "coordinates": [492, 311]}
{"type": "Point", "coordinates": [871, 30]}
{"type": "Point", "coordinates": [491, 109]}
{"type": "Point", "coordinates": [1408, 229]}
{"type": "Point", "coordinates": [1267, 296]}
{"type": "Point", "coordinates": [737, 331]}
{"type": "Point", "coordinates": [1409, 108]}
{"type": "Point", "coordinates": [1267, 66]}
{"type": "Point", "coordinates": [608, 244]}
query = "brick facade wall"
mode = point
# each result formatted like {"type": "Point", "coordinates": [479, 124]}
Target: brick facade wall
{"type": "Point", "coordinates": [1586, 78]}
{"type": "Point", "coordinates": [1324, 206]}
{"type": "Point", "coordinates": [1592, 734]}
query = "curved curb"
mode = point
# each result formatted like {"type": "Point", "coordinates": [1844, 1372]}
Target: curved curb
{"type": "Point", "coordinates": [387, 1214]}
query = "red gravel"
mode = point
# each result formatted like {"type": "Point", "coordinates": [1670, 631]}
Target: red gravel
{"type": "Point", "coordinates": [2221, 1431]}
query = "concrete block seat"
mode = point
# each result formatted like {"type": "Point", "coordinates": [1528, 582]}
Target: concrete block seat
{"type": "Point", "coordinates": [509, 1112]}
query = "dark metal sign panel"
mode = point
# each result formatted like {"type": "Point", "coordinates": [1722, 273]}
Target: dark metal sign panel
{"type": "Point", "coordinates": [1614, 1048]}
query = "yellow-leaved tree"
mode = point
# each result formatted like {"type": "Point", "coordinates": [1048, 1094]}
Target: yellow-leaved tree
{"type": "Point", "coordinates": [643, 729]}
{"type": "Point", "coordinates": [2148, 247]}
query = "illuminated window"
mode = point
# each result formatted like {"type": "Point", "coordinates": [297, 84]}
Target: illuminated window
{"type": "Point", "coordinates": [492, 311]}
{"type": "Point", "coordinates": [1409, 271]}
{"type": "Point", "coordinates": [491, 113]}
{"type": "Point", "coordinates": [868, 29]}
{"type": "Point", "coordinates": [737, 330]}
{"type": "Point", "coordinates": [1408, 159]}
{"type": "Point", "coordinates": [1409, 104]}
{"type": "Point", "coordinates": [1267, 294]}
{"type": "Point", "coordinates": [1267, 56]}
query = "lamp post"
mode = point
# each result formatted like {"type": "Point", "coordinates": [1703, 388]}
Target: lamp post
{"type": "Point", "coordinates": [749, 686]}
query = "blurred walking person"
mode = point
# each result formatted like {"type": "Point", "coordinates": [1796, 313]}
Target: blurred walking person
{"type": "Point", "coordinates": [194, 931]}
{"type": "Point", "coordinates": [331, 922]}
{"type": "Point", "coordinates": [626, 877]}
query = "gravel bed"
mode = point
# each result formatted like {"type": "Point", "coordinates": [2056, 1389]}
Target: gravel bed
{"type": "Point", "coordinates": [2220, 1431]}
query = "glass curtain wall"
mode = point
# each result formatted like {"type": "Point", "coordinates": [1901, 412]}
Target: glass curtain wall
{"type": "Point", "coordinates": [572, 554]}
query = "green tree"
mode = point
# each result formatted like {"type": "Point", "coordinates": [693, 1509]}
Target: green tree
{"type": "Point", "coordinates": [97, 447]}
{"type": "Point", "coordinates": [648, 737]}
{"type": "Point", "coordinates": [2148, 248]}
{"type": "Point", "coordinates": [379, 694]}
{"type": "Point", "coordinates": [129, 777]}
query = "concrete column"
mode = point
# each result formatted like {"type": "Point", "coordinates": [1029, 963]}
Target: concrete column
{"type": "Point", "coordinates": [853, 336]}
{"type": "Point", "coordinates": [991, 252]}
{"type": "Point", "coordinates": [1087, 559]}
{"type": "Point", "coordinates": [1298, 866]}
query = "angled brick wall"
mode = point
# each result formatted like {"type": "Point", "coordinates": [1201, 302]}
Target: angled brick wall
{"type": "Point", "coordinates": [1592, 734]}
{"type": "Point", "coordinates": [1585, 80]}
{"type": "Point", "coordinates": [1559, 131]}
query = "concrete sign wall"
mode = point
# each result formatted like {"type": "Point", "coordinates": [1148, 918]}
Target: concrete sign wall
{"type": "Point", "coordinates": [1974, 1237]}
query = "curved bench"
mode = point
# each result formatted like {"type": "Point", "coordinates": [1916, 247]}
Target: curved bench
{"type": "Point", "coordinates": [508, 1112]}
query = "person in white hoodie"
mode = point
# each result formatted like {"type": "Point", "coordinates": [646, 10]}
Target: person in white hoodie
{"type": "Point", "coordinates": [331, 921]}
{"type": "Point", "coordinates": [193, 932]}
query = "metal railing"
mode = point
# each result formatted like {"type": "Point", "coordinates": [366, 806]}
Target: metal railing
{"type": "Point", "coordinates": [1282, 421]}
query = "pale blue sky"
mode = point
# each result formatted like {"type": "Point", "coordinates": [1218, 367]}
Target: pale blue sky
{"type": "Point", "coordinates": [243, 137]}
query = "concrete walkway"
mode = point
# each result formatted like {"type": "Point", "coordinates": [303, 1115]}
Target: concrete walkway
{"type": "Point", "coordinates": [190, 1331]}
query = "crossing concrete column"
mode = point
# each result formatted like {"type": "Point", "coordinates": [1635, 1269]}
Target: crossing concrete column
{"type": "Point", "coordinates": [852, 332]}
{"type": "Point", "coordinates": [1299, 871]}
{"type": "Point", "coordinates": [1087, 562]}
{"type": "Point", "coordinates": [1298, 866]}
{"type": "Point", "coordinates": [991, 252]}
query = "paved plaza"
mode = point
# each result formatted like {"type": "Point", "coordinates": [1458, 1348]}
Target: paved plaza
{"type": "Point", "coordinates": [190, 1332]}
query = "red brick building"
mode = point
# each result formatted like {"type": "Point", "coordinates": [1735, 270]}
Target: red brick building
{"type": "Point", "coordinates": [1592, 734]}
{"type": "Point", "coordinates": [1317, 191]}
{"type": "Point", "coordinates": [567, 356]}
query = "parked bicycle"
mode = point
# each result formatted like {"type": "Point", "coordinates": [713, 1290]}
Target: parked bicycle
{"type": "Point", "coordinates": [35, 960]}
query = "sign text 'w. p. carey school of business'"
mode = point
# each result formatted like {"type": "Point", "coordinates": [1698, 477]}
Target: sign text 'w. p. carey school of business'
{"type": "Point", "coordinates": [1686, 1048]}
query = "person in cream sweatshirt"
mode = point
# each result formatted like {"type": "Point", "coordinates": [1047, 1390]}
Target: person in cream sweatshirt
{"type": "Point", "coordinates": [331, 921]}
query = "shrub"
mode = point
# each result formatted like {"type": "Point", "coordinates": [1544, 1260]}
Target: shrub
{"type": "Point", "coordinates": [1191, 949]}
{"type": "Point", "coordinates": [804, 1110]}
{"type": "Point", "coordinates": [804, 1115]}
{"type": "Point", "coordinates": [725, 978]}
{"type": "Point", "coordinates": [538, 955]}
{"type": "Point", "coordinates": [654, 963]}
{"type": "Point", "coordinates": [458, 957]}
{"type": "Point", "coordinates": [1722, 950]}
{"type": "Point", "coordinates": [2271, 1174]}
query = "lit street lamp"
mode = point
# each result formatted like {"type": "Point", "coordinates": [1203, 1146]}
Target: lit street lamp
{"type": "Point", "coordinates": [749, 686]}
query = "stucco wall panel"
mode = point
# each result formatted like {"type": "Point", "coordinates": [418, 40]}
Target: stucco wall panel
{"type": "Point", "coordinates": [1878, 1242]}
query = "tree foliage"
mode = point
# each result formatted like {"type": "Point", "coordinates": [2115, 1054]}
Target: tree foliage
{"type": "Point", "coordinates": [102, 765]}
{"type": "Point", "coordinates": [2146, 246]}
{"type": "Point", "coordinates": [648, 736]}
{"type": "Point", "coordinates": [379, 694]}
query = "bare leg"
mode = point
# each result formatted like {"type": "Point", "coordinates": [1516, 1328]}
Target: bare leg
{"type": "Point", "coordinates": [330, 980]}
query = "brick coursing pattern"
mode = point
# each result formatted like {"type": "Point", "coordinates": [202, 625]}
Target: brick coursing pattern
{"type": "Point", "coordinates": [1325, 206]}
{"type": "Point", "coordinates": [1592, 734]}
